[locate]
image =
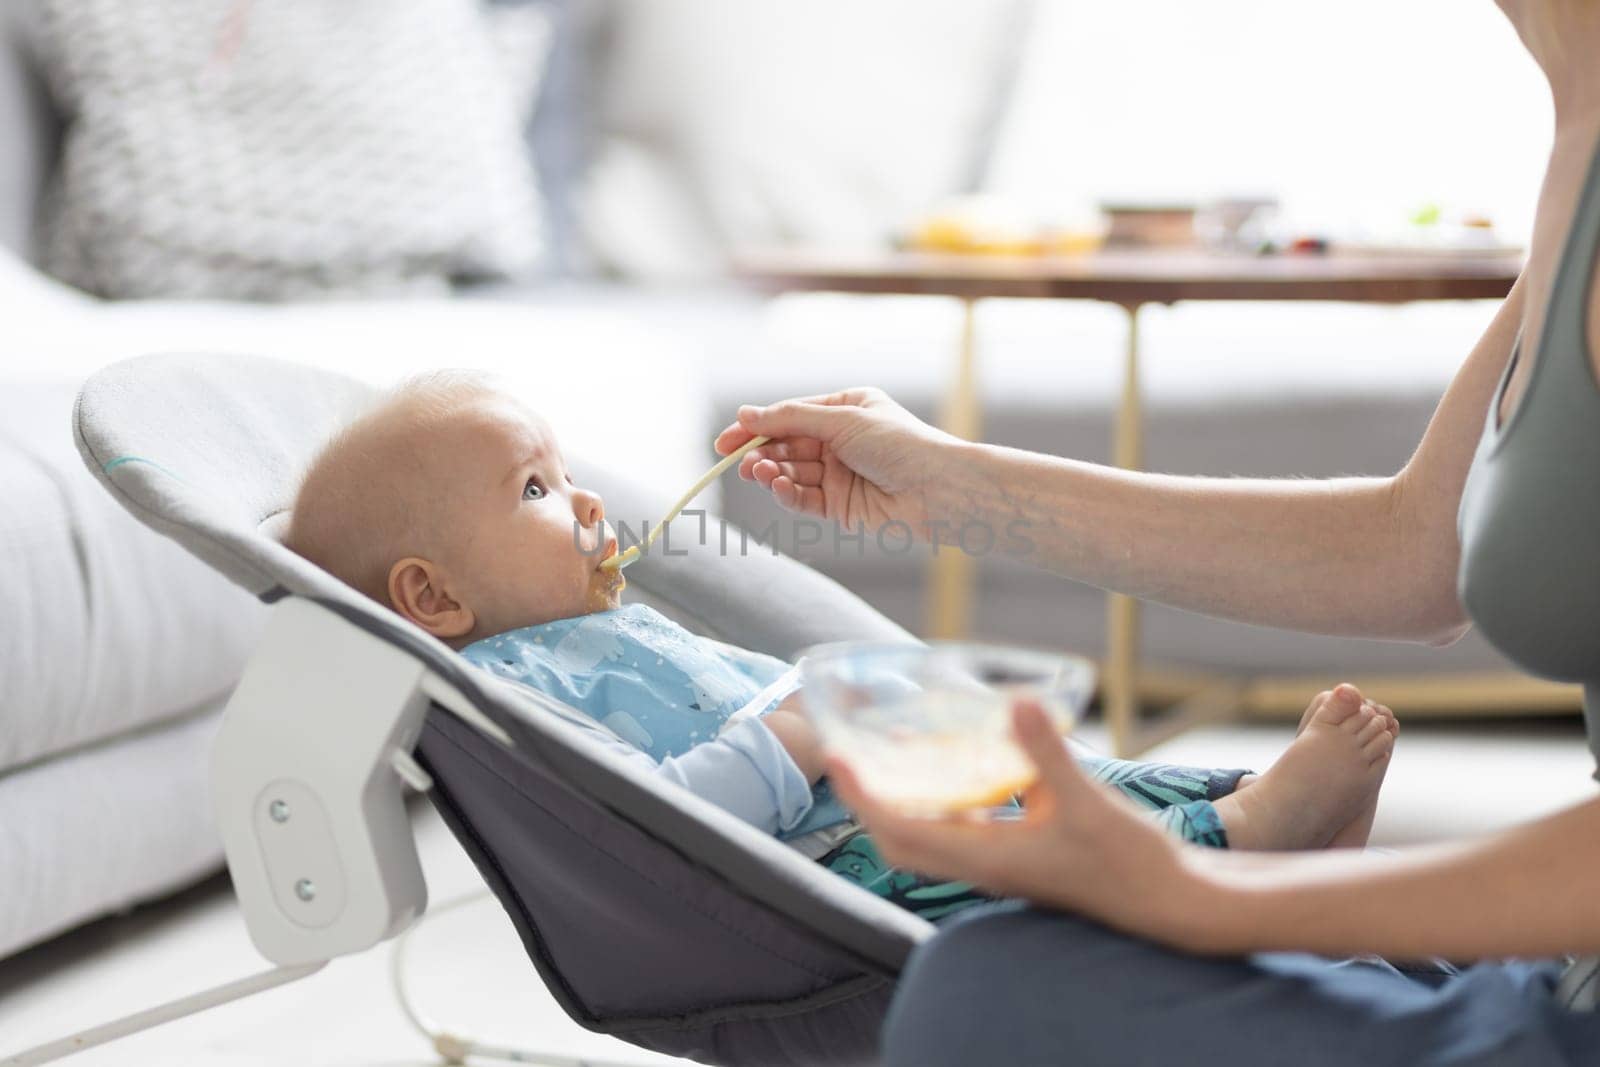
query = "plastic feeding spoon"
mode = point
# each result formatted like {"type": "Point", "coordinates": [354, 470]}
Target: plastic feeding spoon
{"type": "Point", "coordinates": [631, 555]}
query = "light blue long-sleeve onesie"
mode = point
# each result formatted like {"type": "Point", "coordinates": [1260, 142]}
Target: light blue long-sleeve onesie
{"type": "Point", "coordinates": [693, 705]}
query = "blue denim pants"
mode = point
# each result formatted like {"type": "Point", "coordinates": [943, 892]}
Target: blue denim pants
{"type": "Point", "coordinates": [1007, 984]}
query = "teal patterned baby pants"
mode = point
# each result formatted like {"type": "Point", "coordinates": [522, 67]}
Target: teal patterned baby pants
{"type": "Point", "coordinates": [1179, 798]}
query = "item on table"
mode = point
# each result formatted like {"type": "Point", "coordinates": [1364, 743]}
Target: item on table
{"type": "Point", "coordinates": [1429, 230]}
{"type": "Point", "coordinates": [927, 728]}
{"type": "Point", "coordinates": [984, 225]}
{"type": "Point", "coordinates": [1235, 223]}
{"type": "Point", "coordinates": [990, 225]}
{"type": "Point", "coordinates": [1075, 241]}
{"type": "Point", "coordinates": [1150, 225]}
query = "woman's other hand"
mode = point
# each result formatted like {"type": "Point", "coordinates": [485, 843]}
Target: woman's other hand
{"type": "Point", "coordinates": [854, 456]}
{"type": "Point", "coordinates": [1077, 847]}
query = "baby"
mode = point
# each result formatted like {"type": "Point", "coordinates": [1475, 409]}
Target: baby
{"type": "Point", "coordinates": [451, 504]}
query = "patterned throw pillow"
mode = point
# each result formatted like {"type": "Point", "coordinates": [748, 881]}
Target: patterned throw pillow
{"type": "Point", "coordinates": [274, 149]}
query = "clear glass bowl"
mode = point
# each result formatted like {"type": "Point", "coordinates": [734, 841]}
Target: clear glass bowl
{"type": "Point", "coordinates": [927, 728]}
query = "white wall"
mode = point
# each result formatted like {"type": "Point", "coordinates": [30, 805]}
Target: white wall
{"type": "Point", "coordinates": [1358, 110]}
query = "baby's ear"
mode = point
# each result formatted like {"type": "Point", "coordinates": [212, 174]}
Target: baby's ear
{"type": "Point", "coordinates": [417, 591]}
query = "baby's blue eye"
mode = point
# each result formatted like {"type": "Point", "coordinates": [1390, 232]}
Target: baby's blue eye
{"type": "Point", "coordinates": [533, 487]}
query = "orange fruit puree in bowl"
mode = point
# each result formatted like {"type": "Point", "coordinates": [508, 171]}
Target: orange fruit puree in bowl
{"type": "Point", "coordinates": [951, 803]}
{"type": "Point", "coordinates": [956, 755]}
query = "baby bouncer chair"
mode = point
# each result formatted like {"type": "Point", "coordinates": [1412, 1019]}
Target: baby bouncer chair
{"type": "Point", "coordinates": [648, 913]}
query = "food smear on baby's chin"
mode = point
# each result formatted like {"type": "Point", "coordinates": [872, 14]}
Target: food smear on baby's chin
{"type": "Point", "coordinates": [605, 590]}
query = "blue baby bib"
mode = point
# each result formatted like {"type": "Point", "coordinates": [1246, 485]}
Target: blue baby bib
{"type": "Point", "coordinates": [657, 686]}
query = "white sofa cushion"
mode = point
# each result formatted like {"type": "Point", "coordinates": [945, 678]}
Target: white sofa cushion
{"type": "Point", "coordinates": [617, 389]}
{"type": "Point", "coordinates": [110, 627]}
{"type": "Point", "coordinates": [107, 827]}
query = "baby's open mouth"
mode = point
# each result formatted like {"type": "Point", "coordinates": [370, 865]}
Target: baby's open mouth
{"type": "Point", "coordinates": [610, 549]}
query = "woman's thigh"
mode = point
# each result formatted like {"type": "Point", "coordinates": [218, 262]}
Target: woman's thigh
{"type": "Point", "coordinates": [1013, 985]}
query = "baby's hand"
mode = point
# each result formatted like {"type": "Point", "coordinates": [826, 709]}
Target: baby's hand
{"type": "Point", "coordinates": [798, 737]}
{"type": "Point", "coordinates": [794, 702]}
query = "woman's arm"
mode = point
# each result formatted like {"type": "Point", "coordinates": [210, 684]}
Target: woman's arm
{"type": "Point", "coordinates": [1369, 556]}
{"type": "Point", "coordinates": [1529, 891]}
{"type": "Point", "coordinates": [1374, 557]}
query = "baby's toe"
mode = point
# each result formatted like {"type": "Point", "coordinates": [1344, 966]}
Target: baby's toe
{"type": "Point", "coordinates": [1311, 710]}
{"type": "Point", "coordinates": [1380, 747]}
{"type": "Point", "coordinates": [1389, 719]}
{"type": "Point", "coordinates": [1343, 703]}
{"type": "Point", "coordinates": [1372, 727]}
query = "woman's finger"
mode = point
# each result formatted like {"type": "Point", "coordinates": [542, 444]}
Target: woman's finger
{"type": "Point", "coordinates": [794, 448]}
{"type": "Point", "coordinates": [806, 499]}
{"type": "Point", "coordinates": [1038, 737]}
{"type": "Point", "coordinates": [799, 449]}
{"type": "Point", "coordinates": [788, 418]}
{"type": "Point", "coordinates": [797, 418]}
{"type": "Point", "coordinates": [732, 436]}
{"type": "Point", "coordinates": [737, 432]}
{"type": "Point", "coordinates": [800, 473]}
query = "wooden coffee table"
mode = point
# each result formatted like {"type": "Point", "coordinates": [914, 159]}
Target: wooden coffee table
{"type": "Point", "coordinates": [1131, 279]}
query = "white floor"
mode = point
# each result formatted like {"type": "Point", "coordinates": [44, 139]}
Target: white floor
{"type": "Point", "coordinates": [470, 972]}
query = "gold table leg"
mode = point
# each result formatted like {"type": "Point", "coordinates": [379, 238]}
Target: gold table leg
{"type": "Point", "coordinates": [951, 575]}
{"type": "Point", "coordinates": [1120, 686]}
{"type": "Point", "coordinates": [1198, 698]}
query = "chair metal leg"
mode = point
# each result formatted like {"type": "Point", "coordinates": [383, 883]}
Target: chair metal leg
{"type": "Point", "coordinates": [162, 1013]}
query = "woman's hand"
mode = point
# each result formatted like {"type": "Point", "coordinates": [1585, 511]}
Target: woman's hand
{"type": "Point", "coordinates": [854, 456]}
{"type": "Point", "coordinates": [1077, 847]}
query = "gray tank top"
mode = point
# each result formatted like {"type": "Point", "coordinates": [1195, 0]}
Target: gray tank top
{"type": "Point", "coordinates": [1530, 511]}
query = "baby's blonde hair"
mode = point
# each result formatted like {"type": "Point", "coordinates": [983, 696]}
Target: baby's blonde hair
{"type": "Point", "coordinates": [363, 503]}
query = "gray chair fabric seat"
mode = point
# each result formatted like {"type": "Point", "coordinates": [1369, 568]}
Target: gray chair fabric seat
{"type": "Point", "coordinates": [650, 914]}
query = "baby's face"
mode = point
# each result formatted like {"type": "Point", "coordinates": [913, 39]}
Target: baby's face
{"type": "Point", "coordinates": [522, 543]}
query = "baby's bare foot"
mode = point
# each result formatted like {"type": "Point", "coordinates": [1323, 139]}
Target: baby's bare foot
{"type": "Point", "coordinates": [1323, 791]}
{"type": "Point", "coordinates": [1355, 834]}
